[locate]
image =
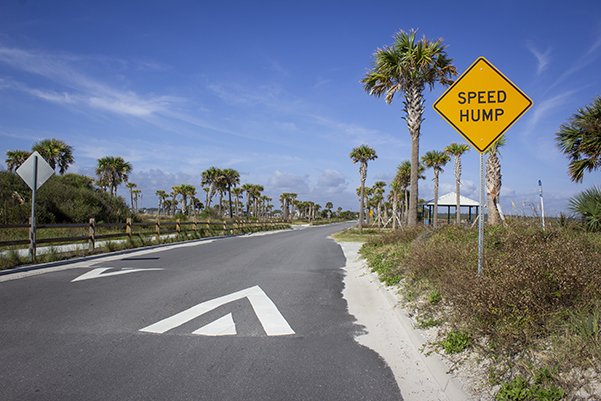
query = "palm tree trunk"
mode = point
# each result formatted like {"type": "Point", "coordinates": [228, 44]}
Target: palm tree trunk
{"type": "Point", "coordinates": [414, 109]}
{"type": "Point", "coordinates": [457, 185]}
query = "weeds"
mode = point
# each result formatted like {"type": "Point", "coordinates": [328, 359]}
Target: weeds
{"type": "Point", "coordinates": [535, 306]}
{"type": "Point", "coordinates": [456, 342]}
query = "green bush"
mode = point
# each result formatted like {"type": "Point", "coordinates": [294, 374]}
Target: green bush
{"type": "Point", "coordinates": [70, 198]}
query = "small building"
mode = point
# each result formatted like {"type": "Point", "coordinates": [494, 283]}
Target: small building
{"type": "Point", "coordinates": [450, 201]}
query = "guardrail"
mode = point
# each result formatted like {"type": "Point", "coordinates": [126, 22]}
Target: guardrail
{"type": "Point", "coordinates": [199, 228]}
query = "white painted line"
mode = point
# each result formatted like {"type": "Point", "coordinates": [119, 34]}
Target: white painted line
{"type": "Point", "coordinates": [98, 273]}
{"type": "Point", "coordinates": [268, 314]}
{"type": "Point", "coordinates": [224, 326]}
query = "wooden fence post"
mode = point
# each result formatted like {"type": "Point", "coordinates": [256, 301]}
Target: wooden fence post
{"type": "Point", "coordinates": [157, 229]}
{"type": "Point", "coordinates": [195, 225]}
{"type": "Point", "coordinates": [128, 228]}
{"type": "Point", "coordinates": [178, 227]}
{"type": "Point", "coordinates": [92, 235]}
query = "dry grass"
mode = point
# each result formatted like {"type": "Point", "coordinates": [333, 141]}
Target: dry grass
{"type": "Point", "coordinates": [535, 307]}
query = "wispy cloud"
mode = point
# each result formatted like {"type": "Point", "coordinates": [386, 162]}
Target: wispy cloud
{"type": "Point", "coordinates": [542, 58]}
{"type": "Point", "coordinates": [79, 88]}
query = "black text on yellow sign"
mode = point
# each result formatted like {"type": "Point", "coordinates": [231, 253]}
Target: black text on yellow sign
{"type": "Point", "coordinates": [482, 104]}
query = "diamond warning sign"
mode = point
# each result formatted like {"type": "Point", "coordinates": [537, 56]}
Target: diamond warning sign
{"type": "Point", "coordinates": [482, 104]}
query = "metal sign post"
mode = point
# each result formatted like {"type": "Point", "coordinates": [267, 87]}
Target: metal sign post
{"type": "Point", "coordinates": [481, 214]}
{"type": "Point", "coordinates": [542, 204]}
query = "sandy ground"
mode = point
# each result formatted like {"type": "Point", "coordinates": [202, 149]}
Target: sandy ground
{"type": "Point", "coordinates": [390, 333]}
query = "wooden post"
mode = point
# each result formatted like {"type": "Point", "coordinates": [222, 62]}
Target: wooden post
{"type": "Point", "coordinates": [92, 235]}
{"type": "Point", "coordinates": [224, 227]}
{"type": "Point", "coordinates": [157, 229]}
{"type": "Point", "coordinates": [128, 228]}
{"type": "Point", "coordinates": [178, 227]}
{"type": "Point", "coordinates": [195, 222]}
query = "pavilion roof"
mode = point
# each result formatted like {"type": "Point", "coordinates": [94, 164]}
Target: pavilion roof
{"type": "Point", "coordinates": [450, 199]}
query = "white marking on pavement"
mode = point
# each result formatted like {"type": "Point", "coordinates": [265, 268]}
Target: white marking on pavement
{"type": "Point", "coordinates": [96, 273]}
{"type": "Point", "coordinates": [224, 326]}
{"type": "Point", "coordinates": [268, 314]}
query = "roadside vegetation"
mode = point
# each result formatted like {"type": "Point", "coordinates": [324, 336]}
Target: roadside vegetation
{"type": "Point", "coordinates": [533, 314]}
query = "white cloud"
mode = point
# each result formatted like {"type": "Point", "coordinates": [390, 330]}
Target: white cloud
{"type": "Point", "coordinates": [542, 58]}
{"type": "Point", "coordinates": [288, 182]}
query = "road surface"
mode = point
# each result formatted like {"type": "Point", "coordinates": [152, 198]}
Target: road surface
{"type": "Point", "coordinates": [251, 317]}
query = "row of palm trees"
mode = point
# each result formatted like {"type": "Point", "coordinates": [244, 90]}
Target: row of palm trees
{"type": "Point", "coordinates": [401, 184]}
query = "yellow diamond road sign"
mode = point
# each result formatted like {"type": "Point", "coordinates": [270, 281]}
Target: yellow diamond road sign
{"type": "Point", "coordinates": [482, 104]}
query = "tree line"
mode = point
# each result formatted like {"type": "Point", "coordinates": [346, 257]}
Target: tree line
{"type": "Point", "coordinates": [246, 200]}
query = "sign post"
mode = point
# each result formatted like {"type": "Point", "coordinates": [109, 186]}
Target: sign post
{"type": "Point", "coordinates": [34, 171]}
{"type": "Point", "coordinates": [481, 105]}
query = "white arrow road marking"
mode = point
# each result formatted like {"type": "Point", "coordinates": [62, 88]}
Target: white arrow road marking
{"type": "Point", "coordinates": [96, 273]}
{"type": "Point", "coordinates": [224, 326]}
{"type": "Point", "coordinates": [270, 317]}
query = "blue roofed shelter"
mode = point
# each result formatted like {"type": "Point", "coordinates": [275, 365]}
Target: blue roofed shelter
{"type": "Point", "coordinates": [450, 201]}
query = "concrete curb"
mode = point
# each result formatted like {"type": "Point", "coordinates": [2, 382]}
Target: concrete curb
{"type": "Point", "coordinates": [451, 386]}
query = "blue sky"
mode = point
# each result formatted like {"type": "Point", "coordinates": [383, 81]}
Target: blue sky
{"type": "Point", "coordinates": [271, 89]}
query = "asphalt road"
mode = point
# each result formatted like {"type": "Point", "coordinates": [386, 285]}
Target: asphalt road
{"type": "Point", "coordinates": [254, 317]}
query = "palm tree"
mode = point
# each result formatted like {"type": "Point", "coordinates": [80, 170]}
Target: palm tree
{"type": "Point", "coordinates": [362, 154]}
{"type": "Point", "coordinates": [403, 175]}
{"type": "Point", "coordinates": [162, 196]}
{"type": "Point", "coordinates": [395, 187]}
{"type": "Point", "coordinates": [113, 171]}
{"type": "Point", "coordinates": [456, 150]}
{"type": "Point", "coordinates": [284, 199]}
{"type": "Point", "coordinates": [56, 152]}
{"type": "Point", "coordinates": [588, 204]}
{"type": "Point", "coordinates": [131, 187]}
{"type": "Point", "coordinates": [580, 140]}
{"type": "Point", "coordinates": [378, 189]}
{"type": "Point", "coordinates": [210, 177]}
{"type": "Point", "coordinates": [138, 194]}
{"type": "Point", "coordinates": [237, 195]}
{"type": "Point", "coordinates": [435, 160]}
{"type": "Point", "coordinates": [493, 180]}
{"type": "Point", "coordinates": [232, 179]}
{"type": "Point", "coordinates": [329, 207]}
{"type": "Point", "coordinates": [14, 159]}
{"type": "Point", "coordinates": [407, 67]}
{"type": "Point", "coordinates": [248, 189]}
{"type": "Point", "coordinates": [186, 190]}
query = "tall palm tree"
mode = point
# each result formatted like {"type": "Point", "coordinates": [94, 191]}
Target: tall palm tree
{"type": "Point", "coordinates": [378, 189]}
{"type": "Point", "coordinates": [395, 189]}
{"type": "Point", "coordinates": [186, 191]}
{"type": "Point", "coordinates": [210, 177]}
{"type": "Point", "coordinates": [131, 187]}
{"type": "Point", "coordinates": [456, 150]}
{"type": "Point", "coordinates": [56, 152]}
{"type": "Point", "coordinates": [177, 190]}
{"type": "Point", "coordinates": [580, 140]}
{"type": "Point", "coordinates": [113, 171]}
{"type": "Point", "coordinates": [14, 159]}
{"type": "Point", "coordinates": [248, 188]}
{"type": "Point", "coordinates": [493, 180]}
{"type": "Point", "coordinates": [407, 67]}
{"type": "Point", "coordinates": [435, 160]}
{"type": "Point", "coordinates": [362, 154]}
{"type": "Point", "coordinates": [237, 195]}
{"type": "Point", "coordinates": [284, 199]}
{"type": "Point", "coordinates": [231, 179]}
{"type": "Point", "coordinates": [162, 196]}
